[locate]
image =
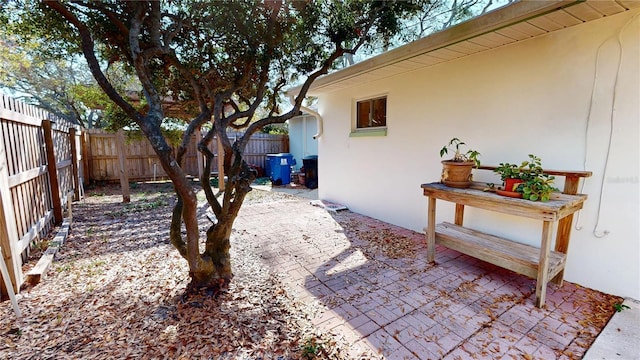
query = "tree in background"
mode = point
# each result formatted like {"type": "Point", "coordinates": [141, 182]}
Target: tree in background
{"type": "Point", "coordinates": [220, 61]}
{"type": "Point", "coordinates": [54, 78]}
{"type": "Point", "coordinates": [433, 16]}
{"type": "Point", "coordinates": [52, 84]}
{"type": "Point", "coordinates": [439, 15]}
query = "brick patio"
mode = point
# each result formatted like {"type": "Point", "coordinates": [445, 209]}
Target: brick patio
{"type": "Point", "coordinates": [376, 290]}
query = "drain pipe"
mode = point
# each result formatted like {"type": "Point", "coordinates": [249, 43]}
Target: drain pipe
{"type": "Point", "coordinates": [311, 112]}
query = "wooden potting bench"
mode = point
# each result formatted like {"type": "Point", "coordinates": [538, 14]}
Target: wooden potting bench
{"type": "Point", "coordinates": [540, 263]}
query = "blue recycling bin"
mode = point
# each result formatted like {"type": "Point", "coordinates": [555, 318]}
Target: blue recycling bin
{"type": "Point", "coordinates": [279, 168]}
{"type": "Point", "coordinates": [267, 164]}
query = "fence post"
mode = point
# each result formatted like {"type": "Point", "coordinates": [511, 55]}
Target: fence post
{"type": "Point", "coordinates": [199, 156]}
{"type": "Point", "coordinates": [52, 168]}
{"type": "Point", "coordinates": [74, 163]}
{"type": "Point", "coordinates": [220, 164]}
{"type": "Point", "coordinates": [86, 163]}
{"type": "Point", "coordinates": [122, 162]}
{"type": "Point", "coordinates": [8, 228]}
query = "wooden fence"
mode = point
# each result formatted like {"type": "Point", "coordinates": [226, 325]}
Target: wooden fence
{"type": "Point", "coordinates": [44, 160]}
{"type": "Point", "coordinates": [39, 166]}
{"type": "Point", "coordinates": [141, 163]}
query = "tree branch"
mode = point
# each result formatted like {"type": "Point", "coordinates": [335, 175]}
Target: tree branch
{"type": "Point", "coordinates": [89, 54]}
{"type": "Point", "coordinates": [203, 147]}
{"type": "Point", "coordinates": [154, 100]}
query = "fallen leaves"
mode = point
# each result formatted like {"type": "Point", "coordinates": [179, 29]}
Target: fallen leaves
{"type": "Point", "coordinates": [380, 241]}
{"type": "Point", "coordinates": [115, 291]}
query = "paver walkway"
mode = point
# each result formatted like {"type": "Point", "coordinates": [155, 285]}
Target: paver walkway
{"type": "Point", "coordinates": [375, 289]}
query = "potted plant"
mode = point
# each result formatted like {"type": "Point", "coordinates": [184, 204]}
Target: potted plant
{"type": "Point", "coordinates": [456, 172]}
{"type": "Point", "coordinates": [532, 183]}
{"type": "Point", "coordinates": [510, 176]}
{"type": "Point", "coordinates": [302, 176]}
{"type": "Point", "coordinates": [538, 188]}
{"type": "Point", "coordinates": [537, 185]}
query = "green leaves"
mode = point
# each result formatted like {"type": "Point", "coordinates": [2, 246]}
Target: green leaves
{"type": "Point", "coordinates": [537, 185]}
{"type": "Point", "coordinates": [455, 144]}
{"type": "Point", "coordinates": [619, 307]}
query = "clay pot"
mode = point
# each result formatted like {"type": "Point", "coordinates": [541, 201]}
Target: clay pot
{"type": "Point", "coordinates": [510, 184]}
{"type": "Point", "coordinates": [457, 174]}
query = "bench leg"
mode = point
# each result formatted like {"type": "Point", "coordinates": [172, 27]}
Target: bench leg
{"type": "Point", "coordinates": [543, 264]}
{"type": "Point", "coordinates": [431, 231]}
{"type": "Point", "coordinates": [459, 216]}
{"type": "Point", "coordinates": [562, 242]}
{"type": "Point", "coordinates": [558, 279]}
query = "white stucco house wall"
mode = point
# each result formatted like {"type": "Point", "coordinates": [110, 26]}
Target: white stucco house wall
{"type": "Point", "coordinates": [302, 141]}
{"type": "Point", "coordinates": [559, 79]}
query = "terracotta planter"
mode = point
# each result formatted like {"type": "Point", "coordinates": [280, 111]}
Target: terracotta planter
{"type": "Point", "coordinates": [509, 186]}
{"type": "Point", "coordinates": [457, 174]}
{"type": "Point", "coordinates": [511, 183]}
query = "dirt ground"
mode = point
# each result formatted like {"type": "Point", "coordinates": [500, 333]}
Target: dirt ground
{"type": "Point", "coordinates": [116, 289]}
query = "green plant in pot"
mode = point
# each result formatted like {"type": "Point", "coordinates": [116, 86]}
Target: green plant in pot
{"type": "Point", "coordinates": [533, 184]}
{"type": "Point", "coordinates": [456, 172]}
{"type": "Point", "coordinates": [538, 188]}
{"type": "Point", "coordinates": [537, 185]}
{"type": "Point", "coordinates": [510, 174]}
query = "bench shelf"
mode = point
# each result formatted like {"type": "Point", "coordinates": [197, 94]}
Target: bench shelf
{"type": "Point", "coordinates": [520, 258]}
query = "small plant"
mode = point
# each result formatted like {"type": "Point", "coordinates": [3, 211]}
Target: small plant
{"type": "Point", "coordinates": [159, 202]}
{"type": "Point", "coordinates": [620, 307]}
{"type": "Point", "coordinates": [511, 175]}
{"type": "Point", "coordinates": [455, 146]}
{"type": "Point", "coordinates": [310, 349]}
{"type": "Point", "coordinates": [491, 187]}
{"type": "Point", "coordinates": [537, 188]}
{"type": "Point", "coordinates": [262, 181]}
{"type": "Point", "coordinates": [536, 185]}
{"type": "Point", "coordinates": [40, 245]}
{"type": "Point", "coordinates": [509, 171]}
{"type": "Point", "coordinates": [63, 268]}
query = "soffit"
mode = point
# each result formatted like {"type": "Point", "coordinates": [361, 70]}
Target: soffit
{"type": "Point", "coordinates": [517, 22]}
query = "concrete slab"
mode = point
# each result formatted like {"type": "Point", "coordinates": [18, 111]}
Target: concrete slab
{"type": "Point", "coordinates": [620, 339]}
{"type": "Point", "coordinates": [292, 189]}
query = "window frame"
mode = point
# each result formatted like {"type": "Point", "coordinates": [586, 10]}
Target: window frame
{"type": "Point", "coordinates": [371, 130]}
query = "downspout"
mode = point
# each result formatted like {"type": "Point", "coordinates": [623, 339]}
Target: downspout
{"type": "Point", "coordinates": [311, 112]}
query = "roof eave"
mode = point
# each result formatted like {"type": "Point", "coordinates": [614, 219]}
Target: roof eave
{"type": "Point", "coordinates": [497, 19]}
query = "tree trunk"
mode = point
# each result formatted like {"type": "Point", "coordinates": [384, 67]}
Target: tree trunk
{"type": "Point", "coordinates": [218, 244]}
{"type": "Point", "coordinates": [217, 249]}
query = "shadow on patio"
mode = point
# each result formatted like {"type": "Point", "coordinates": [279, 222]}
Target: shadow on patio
{"type": "Point", "coordinates": [374, 288]}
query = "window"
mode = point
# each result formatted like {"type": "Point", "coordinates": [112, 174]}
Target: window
{"type": "Point", "coordinates": [371, 113]}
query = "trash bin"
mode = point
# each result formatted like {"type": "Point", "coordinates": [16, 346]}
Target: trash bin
{"type": "Point", "coordinates": [310, 164]}
{"type": "Point", "coordinates": [267, 164]}
{"type": "Point", "coordinates": [280, 168]}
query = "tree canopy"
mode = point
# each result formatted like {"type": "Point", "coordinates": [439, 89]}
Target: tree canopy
{"type": "Point", "coordinates": [62, 86]}
{"type": "Point", "coordinates": [221, 61]}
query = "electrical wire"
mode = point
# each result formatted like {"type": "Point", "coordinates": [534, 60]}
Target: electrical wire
{"type": "Point", "coordinates": [605, 232]}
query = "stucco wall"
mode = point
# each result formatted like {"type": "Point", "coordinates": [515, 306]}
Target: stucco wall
{"type": "Point", "coordinates": [301, 142]}
{"type": "Point", "coordinates": [530, 97]}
